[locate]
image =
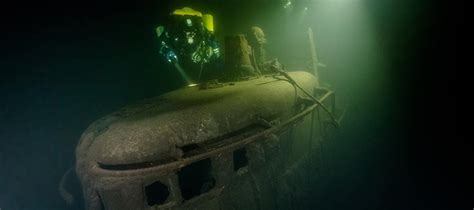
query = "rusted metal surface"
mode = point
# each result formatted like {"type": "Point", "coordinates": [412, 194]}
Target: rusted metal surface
{"type": "Point", "coordinates": [122, 154]}
{"type": "Point", "coordinates": [237, 57]}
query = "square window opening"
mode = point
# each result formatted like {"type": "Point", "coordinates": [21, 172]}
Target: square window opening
{"type": "Point", "coordinates": [240, 158]}
{"type": "Point", "coordinates": [196, 179]}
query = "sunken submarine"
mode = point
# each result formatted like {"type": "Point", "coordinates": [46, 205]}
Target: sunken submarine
{"type": "Point", "coordinates": [249, 143]}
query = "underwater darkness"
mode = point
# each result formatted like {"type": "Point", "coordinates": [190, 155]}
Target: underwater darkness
{"type": "Point", "coordinates": [392, 64]}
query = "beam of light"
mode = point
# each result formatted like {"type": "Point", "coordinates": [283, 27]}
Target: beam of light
{"type": "Point", "coordinates": [349, 45]}
{"type": "Point", "coordinates": [184, 75]}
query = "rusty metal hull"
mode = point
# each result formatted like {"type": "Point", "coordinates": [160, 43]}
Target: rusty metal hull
{"type": "Point", "coordinates": [122, 154]}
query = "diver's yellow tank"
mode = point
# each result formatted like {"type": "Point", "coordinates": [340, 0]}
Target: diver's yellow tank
{"type": "Point", "coordinates": [208, 22]}
{"type": "Point", "coordinates": [187, 11]}
{"type": "Point", "coordinates": [207, 19]}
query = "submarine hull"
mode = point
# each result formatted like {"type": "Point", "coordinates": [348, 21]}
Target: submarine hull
{"type": "Point", "coordinates": [251, 144]}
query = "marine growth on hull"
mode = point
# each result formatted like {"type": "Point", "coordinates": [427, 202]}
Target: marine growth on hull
{"type": "Point", "coordinates": [243, 133]}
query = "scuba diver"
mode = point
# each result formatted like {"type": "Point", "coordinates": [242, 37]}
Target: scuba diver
{"type": "Point", "coordinates": [188, 43]}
